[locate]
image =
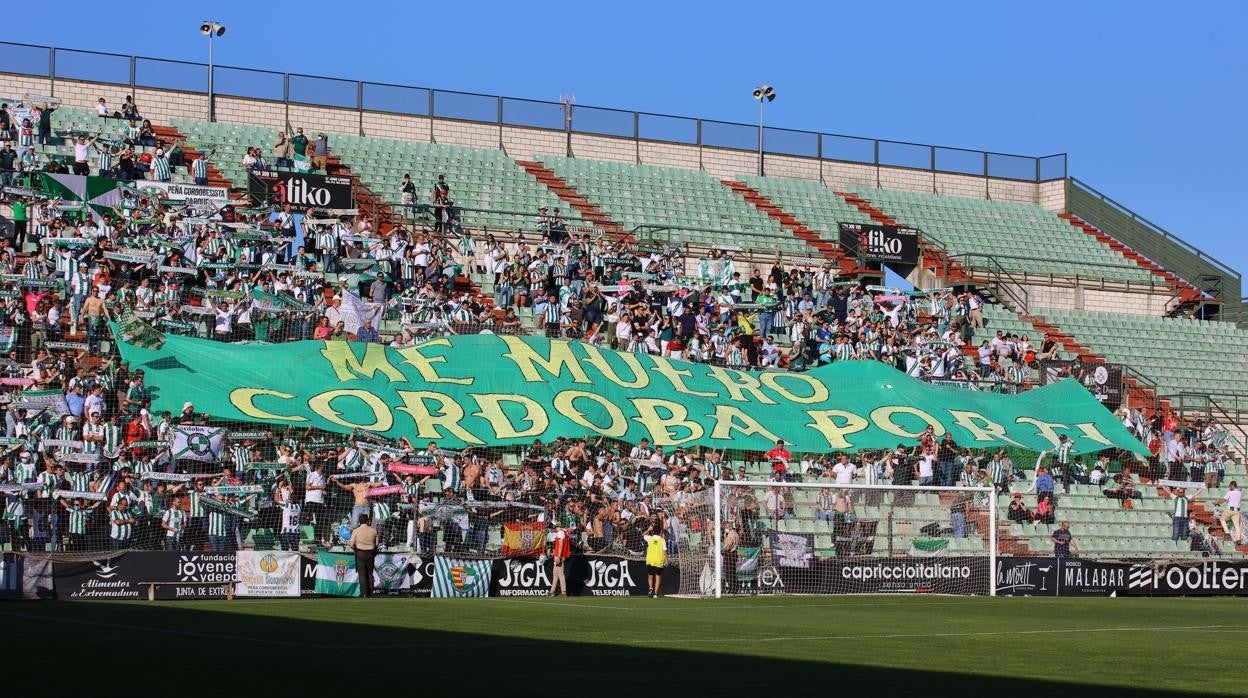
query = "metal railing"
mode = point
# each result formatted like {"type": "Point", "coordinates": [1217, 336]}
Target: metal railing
{"type": "Point", "coordinates": [360, 96]}
{"type": "Point", "coordinates": [749, 245]}
{"type": "Point", "coordinates": [1175, 254]}
{"type": "Point", "coordinates": [1228, 410]}
{"type": "Point", "coordinates": [1002, 282]}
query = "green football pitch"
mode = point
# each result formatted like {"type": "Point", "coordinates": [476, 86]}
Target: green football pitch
{"type": "Point", "coordinates": [761, 646]}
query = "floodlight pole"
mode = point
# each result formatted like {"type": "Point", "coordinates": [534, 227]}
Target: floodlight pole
{"type": "Point", "coordinates": [211, 29]}
{"type": "Point", "coordinates": [210, 71]}
{"type": "Point", "coordinates": [761, 103]}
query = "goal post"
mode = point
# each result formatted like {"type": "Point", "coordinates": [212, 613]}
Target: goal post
{"type": "Point", "coordinates": [828, 538]}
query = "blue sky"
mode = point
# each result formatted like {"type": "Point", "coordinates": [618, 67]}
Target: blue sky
{"type": "Point", "coordinates": [1147, 97]}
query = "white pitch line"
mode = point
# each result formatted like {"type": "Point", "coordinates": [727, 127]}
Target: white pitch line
{"type": "Point", "coordinates": [983, 633]}
{"type": "Point", "coordinates": [564, 604]}
{"type": "Point", "coordinates": [643, 606]}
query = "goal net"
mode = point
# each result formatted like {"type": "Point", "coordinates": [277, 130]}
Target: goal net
{"type": "Point", "coordinates": [825, 538]}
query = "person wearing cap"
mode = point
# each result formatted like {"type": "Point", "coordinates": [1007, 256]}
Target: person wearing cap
{"type": "Point", "coordinates": [1017, 511]}
{"type": "Point", "coordinates": [561, 550]}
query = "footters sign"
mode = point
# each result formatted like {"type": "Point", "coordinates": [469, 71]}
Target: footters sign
{"type": "Point", "coordinates": [1209, 578]}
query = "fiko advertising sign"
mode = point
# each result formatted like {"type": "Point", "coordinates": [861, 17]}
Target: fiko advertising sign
{"type": "Point", "coordinates": [301, 191]}
{"type": "Point", "coordinates": [893, 245]}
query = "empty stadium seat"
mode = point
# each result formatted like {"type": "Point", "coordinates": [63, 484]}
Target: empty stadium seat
{"type": "Point", "coordinates": [1020, 237]}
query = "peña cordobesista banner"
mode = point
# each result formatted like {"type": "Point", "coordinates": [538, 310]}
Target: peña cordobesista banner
{"type": "Point", "coordinates": [501, 390]}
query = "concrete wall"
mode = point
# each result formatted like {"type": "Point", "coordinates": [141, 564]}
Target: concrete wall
{"type": "Point", "coordinates": [1075, 297]}
{"type": "Point", "coordinates": [324, 119]}
{"type": "Point", "coordinates": [592, 147]}
{"type": "Point", "coordinates": [397, 126]}
{"type": "Point", "coordinates": [466, 133]}
{"type": "Point", "coordinates": [520, 142]}
{"type": "Point", "coordinates": [255, 112]}
{"type": "Point", "coordinates": [527, 143]}
{"type": "Point", "coordinates": [1053, 195]}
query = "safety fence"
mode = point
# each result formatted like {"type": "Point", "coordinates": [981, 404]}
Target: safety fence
{"type": "Point", "coordinates": [360, 96]}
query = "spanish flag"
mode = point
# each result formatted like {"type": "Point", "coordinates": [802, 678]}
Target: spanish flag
{"type": "Point", "coordinates": [524, 538]}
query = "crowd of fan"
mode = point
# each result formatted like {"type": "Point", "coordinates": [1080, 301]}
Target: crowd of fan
{"type": "Point", "coordinates": [261, 274]}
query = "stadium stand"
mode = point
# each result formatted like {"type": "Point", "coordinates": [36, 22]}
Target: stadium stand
{"type": "Point", "coordinates": [701, 209]}
{"type": "Point", "coordinates": [643, 265]}
{"type": "Point", "coordinates": [1213, 352]}
{"type": "Point", "coordinates": [971, 228]}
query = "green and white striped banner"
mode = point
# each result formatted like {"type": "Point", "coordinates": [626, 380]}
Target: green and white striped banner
{"type": "Point", "coordinates": [458, 578]}
{"type": "Point", "coordinates": [336, 575]}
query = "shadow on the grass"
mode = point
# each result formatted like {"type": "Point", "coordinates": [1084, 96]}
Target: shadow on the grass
{"type": "Point", "coordinates": [208, 652]}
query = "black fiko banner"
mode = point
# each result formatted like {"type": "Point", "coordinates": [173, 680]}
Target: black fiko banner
{"type": "Point", "coordinates": [893, 245]}
{"type": "Point", "coordinates": [1208, 578]}
{"type": "Point", "coordinates": [302, 191]}
{"type": "Point", "coordinates": [1102, 380]}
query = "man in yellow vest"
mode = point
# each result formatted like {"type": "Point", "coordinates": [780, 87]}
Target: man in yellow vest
{"type": "Point", "coordinates": [656, 558]}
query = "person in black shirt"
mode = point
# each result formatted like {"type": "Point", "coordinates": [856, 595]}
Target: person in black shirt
{"type": "Point", "coordinates": [408, 193]}
{"type": "Point", "coordinates": [903, 474]}
{"type": "Point", "coordinates": [756, 283]}
{"type": "Point", "coordinates": [441, 204]}
{"type": "Point", "coordinates": [8, 162]}
{"type": "Point", "coordinates": [945, 453]}
{"type": "Point", "coordinates": [45, 123]}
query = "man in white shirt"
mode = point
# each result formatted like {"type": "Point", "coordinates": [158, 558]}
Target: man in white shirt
{"type": "Point", "coordinates": [82, 156]}
{"type": "Point", "coordinates": [314, 501]}
{"type": "Point", "coordinates": [1232, 501]}
{"type": "Point", "coordinates": [94, 403]}
{"type": "Point", "coordinates": [976, 306]}
{"type": "Point", "coordinates": [844, 470]}
{"type": "Point", "coordinates": [774, 503]}
{"type": "Point", "coordinates": [927, 467]}
{"type": "Point", "coordinates": [1175, 452]}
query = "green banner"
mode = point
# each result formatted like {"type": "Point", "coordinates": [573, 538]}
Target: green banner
{"type": "Point", "coordinates": [498, 389]}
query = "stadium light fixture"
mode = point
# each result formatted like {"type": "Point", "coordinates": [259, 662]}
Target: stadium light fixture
{"type": "Point", "coordinates": [211, 29]}
{"type": "Point", "coordinates": [764, 94]}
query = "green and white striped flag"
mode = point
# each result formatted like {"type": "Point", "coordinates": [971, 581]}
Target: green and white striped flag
{"type": "Point", "coordinates": [929, 547]}
{"type": "Point", "coordinates": [101, 193]}
{"type": "Point", "coordinates": [336, 575]}
{"type": "Point", "coordinates": [456, 578]}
